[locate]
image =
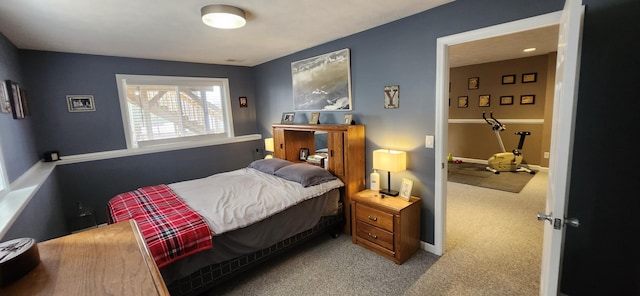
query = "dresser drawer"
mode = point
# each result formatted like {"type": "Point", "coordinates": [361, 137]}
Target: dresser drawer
{"type": "Point", "coordinates": [375, 235]}
{"type": "Point", "coordinates": [374, 217]}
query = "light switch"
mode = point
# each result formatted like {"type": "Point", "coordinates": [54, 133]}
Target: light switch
{"type": "Point", "coordinates": [428, 141]}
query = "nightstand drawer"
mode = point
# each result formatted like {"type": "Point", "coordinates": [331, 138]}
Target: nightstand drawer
{"type": "Point", "coordinates": [374, 217]}
{"type": "Point", "coordinates": [375, 235]}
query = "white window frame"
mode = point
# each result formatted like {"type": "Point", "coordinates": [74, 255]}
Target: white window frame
{"type": "Point", "coordinates": [190, 141]}
{"type": "Point", "coordinates": [4, 179]}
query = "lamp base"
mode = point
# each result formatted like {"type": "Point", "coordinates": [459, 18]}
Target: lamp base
{"type": "Point", "coordinates": [389, 192]}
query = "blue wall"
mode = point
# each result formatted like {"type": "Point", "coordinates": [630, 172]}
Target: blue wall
{"type": "Point", "coordinates": [42, 218]}
{"type": "Point", "coordinates": [59, 74]}
{"type": "Point", "coordinates": [16, 135]}
{"type": "Point", "coordinates": [56, 75]}
{"type": "Point", "coordinates": [400, 53]}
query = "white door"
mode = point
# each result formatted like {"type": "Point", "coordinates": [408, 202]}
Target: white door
{"type": "Point", "coordinates": [566, 90]}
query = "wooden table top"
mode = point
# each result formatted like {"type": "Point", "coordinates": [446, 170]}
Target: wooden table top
{"type": "Point", "coordinates": [111, 260]}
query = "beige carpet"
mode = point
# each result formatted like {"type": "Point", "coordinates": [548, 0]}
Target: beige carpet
{"type": "Point", "coordinates": [494, 246]}
{"type": "Point", "coordinates": [493, 242]}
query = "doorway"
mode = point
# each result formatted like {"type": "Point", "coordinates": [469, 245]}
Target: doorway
{"type": "Point", "coordinates": [442, 84]}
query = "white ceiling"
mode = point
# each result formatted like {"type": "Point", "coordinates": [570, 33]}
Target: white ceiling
{"type": "Point", "coordinates": [172, 29]}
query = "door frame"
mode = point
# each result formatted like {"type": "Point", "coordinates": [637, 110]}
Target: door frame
{"type": "Point", "coordinates": [442, 111]}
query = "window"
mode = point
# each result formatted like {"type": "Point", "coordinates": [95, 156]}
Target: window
{"type": "Point", "coordinates": [166, 110]}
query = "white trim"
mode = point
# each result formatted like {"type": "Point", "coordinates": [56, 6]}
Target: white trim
{"type": "Point", "coordinates": [153, 149]}
{"type": "Point", "coordinates": [442, 98]}
{"type": "Point", "coordinates": [23, 189]}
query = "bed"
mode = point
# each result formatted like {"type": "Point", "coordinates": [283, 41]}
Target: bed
{"type": "Point", "coordinates": [232, 221]}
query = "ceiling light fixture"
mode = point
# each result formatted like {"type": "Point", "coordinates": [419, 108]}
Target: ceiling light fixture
{"type": "Point", "coordinates": [223, 16]}
{"type": "Point", "coordinates": [529, 49]}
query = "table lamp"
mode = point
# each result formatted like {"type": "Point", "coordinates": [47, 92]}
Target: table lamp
{"type": "Point", "coordinates": [268, 146]}
{"type": "Point", "coordinates": [390, 161]}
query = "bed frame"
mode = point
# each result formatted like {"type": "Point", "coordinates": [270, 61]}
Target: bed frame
{"type": "Point", "coordinates": [210, 276]}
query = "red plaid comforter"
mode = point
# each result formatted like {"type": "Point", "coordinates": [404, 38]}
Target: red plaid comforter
{"type": "Point", "coordinates": [170, 228]}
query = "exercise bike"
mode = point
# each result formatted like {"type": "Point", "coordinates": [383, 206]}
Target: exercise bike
{"type": "Point", "coordinates": [505, 161]}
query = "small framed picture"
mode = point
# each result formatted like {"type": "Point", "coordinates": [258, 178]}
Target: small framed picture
{"type": "Point", "coordinates": [463, 102]}
{"type": "Point", "coordinates": [405, 189]}
{"type": "Point", "coordinates": [484, 101]}
{"type": "Point", "coordinates": [315, 118]}
{"type": "Point", "coordinates": [243, 102]}
{"type": "Point", "coordinates": [347, 119]}
{"type": "Point", "coordinates": [392, 97]}
{"type": "Point", "coordinates": [304, 153]}
{"type": "Point", "coordinates": [15, 99]}
{"type": "Point", "coordinates": [287, 117]}
{"type": "Point", "coordinates": [5, 104]}
{"type": "Point", "coordinates": [506, 100]}
{"type": "Point", "coordinates": [80, 103]}
{"type": "Point", "coordinates": [529, 77]}
{"type": "Point", "coordinates": [474, 83]}
{"type": "Point", "coordinates": [527, 99]}
{"type": "Point", "coordinates": [509, 79]}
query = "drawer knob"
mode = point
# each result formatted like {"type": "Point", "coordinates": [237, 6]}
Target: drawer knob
{"type": "Point", "coordinates": [373, 218]}
{"type": "Point", "coordinates": [372, 235]}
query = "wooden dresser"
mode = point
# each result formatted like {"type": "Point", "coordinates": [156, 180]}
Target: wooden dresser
{"type": "Point", "coordinates": [111, 260]}
{"type": "Point", "coordinates": [389, 226]}
{"type": "Point", "coordinates": [346, 154]}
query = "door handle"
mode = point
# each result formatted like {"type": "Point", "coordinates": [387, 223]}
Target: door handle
{"type": "Point", "coordinates": [542, 217]}
{"type": "Point", "coordinates": [557, 223]}
{"type": "Point", "coordinates": [574, 222]}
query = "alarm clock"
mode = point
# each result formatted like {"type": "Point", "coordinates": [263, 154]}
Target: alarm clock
{"type": "Point", "coordinates": [50, 156]}
{"type": "Point", "coordinates": [17, 258]}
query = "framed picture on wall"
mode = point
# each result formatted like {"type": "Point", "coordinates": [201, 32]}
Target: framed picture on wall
{"type": "Point", "coordinates": [243, 102]}
{"type": "Point", "coordinates": [80, 103]}
{"type": "Point", "coordinates": [506, 100]}
{"type": "Point", "coordinates": [509, 79]}
{"type": "Point", "coordinates": [15, 100]}
{"type": "Point", "coordinates": [529, 77]}
{"type": "Point", "coordinates": [5, 104]}
{"type": "Point", "coordinates": [474, 83]}
{"type": "Point", "coordinates": [463, 102]}
{"type": "Point", "coordinates": [392, 97]}
{"type": "Point", "coordinates": [527, 99]}
{"type": "Point", "coordinates": [484, 101]}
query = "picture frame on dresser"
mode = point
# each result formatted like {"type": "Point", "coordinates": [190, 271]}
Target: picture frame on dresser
{"type": "Point", "coordinates": [347, 119]}
{"type": "Point", "coordinates": [287, 117]}
{"type": "Point", "coordinates": [405, 189]}
{"type": "Point", "coordinates": [315, 118]}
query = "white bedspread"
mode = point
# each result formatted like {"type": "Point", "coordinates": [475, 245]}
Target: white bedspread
{"type": "Point", "coordinates": [235, 199]}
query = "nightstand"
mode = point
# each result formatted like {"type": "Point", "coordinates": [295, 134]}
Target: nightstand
{"type": "Point", "coordinates": [389, 226]}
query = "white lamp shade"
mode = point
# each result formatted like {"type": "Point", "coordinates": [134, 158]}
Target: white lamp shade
{"type": "Point", "coordinates": [268, 144]}
{"type": "Point", "coordinates": [223, 16]}
{"type": "Point", "coordinates": [389, 160]}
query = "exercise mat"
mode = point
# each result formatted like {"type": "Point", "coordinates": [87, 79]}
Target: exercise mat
{"type": "Point", "coordinates": [477, 175]}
